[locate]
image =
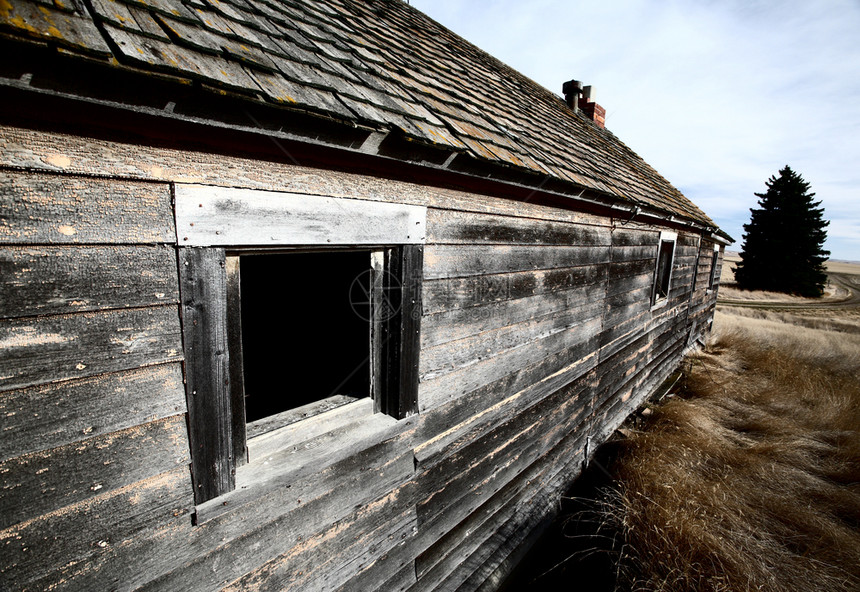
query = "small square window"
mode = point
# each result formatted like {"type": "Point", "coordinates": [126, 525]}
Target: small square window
{"type": "Point", "coordinates": [663, 270]}
{"type": "Point", "coordinates": [303, 332]}
{"type": "Point", "coordinates": [327, 311]}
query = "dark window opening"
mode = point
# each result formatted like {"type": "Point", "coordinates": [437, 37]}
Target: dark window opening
{"type": "Point", "coordinates": [305, 336]}
{"type": "Point", "coordinates": [299, 333]}
{"type": "Point", "coordinates": [663, 273]}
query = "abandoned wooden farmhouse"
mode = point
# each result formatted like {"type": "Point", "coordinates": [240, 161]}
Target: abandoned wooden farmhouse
{"type": "Point", "coordinates": [311, 295]}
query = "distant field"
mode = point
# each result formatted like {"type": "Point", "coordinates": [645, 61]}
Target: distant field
{"type": "Point", "coordinates": [730, 291]}
{"type": "Point", "coordinates": [731, 257]}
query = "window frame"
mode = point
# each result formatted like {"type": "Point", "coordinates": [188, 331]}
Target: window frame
{"type": "Point", "coordinates": [659, 300]}
{"type": "Point", "coordinates": [213, 222]}
{"type": "Point", "coordinates": [715, 259]}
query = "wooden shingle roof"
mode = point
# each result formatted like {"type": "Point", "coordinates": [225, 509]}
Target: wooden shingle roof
{"type": "Point", "coordinates": [377, 64]}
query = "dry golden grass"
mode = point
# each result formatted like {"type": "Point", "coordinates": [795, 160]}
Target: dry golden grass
{"type": "Point", "coordinates": [749, 479]}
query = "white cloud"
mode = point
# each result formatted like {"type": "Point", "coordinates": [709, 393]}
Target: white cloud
{"type": "Point", "coordinates": [717, 96]}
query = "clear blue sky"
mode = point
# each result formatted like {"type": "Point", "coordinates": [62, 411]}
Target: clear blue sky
{"type": "Point", "coordinates": [717, 95]}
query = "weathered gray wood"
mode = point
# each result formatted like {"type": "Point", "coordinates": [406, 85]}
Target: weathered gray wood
{"type": "Point", "coordinates": [207, 216]}
{"type": "Point", "coordinates": [491, 456]}
{"type": "Point", "coordinates": [496, 558]}
{"type": "Point", "coordinates": [309, 451]}
{"type": "Point", "coordinates": [51, 415]}
{"type": "Point", "coordinates": [463, 420]}
{"type": "Point", "coordinates": [449, 227]}
{"type": "Point", "coordinates": [203, 289]}
{"type": "Point", "coordinates": [296, 433]}
{"type": "Point", "coordinates": [636, 253]}
{"type": "Point", "coordinates": [447, 357]}
{"type": "Point", "coordinates": [261, 429]}
{"type": "Point", "coordinates": [460, 323]}
{"type": "Point", "coordinates": [45, 349]}
{"type": "Point", "coordinates": [475, 482]}
{"type": "Point", "coordinates": [443, 555]}
{"type": "Point", "coordinates": [520, 517]}
{"type": "Point", "coordinates": [57, 280]}
{"type": "Point", "coordinates": [41, 208]}
{"type": "Point", "coordinates": [103, 541]}
{"type": "Point", "coordinates": [633, 236]}
{"type": "Point", "coordinates": [235, 351]}
{"type": "Point", "coordinates": [449, 261]}
{"type": "Point", "coordinates": [479, 290]}
{"type": "Point", "coordinates": [342, 551]}
{"type": "Point", "coordinates": [399, 582]}
{"type": "Point", "coordinates": [49, 151]}
{"type": "Point", "coordinates": [41, 482]}
{"type": "Point", "coordinates": [395, 329]}
{"type": "Point", "coordinates": [218, 553]}
{"type": "Point", "coordinates": [454, 384]}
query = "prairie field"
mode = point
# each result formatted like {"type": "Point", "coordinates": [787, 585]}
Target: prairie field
{"type": "Point", "coordinates": [748, 476]}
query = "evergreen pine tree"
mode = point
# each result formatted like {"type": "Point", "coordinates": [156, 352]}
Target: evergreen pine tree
{"type": "Point", "coordinates": [782, 244]}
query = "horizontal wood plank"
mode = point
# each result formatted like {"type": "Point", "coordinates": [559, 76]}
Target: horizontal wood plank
{"type": "Point", "coordinates": [218, 553]}
{"type": "Point", "coordinates": [575, 341]}
{"type": "Point", "coordinates": [217, 216]}
{"type": "Point", "coordinates": [57, 280]}
{"type": "Point", "coordinates": [108, 540]}
{"type": "Point", "coordinates": [344, 550]}
{"type": "Point", "coordinates": [51, 415]}
{"type": "Point", "coordinates": [46, 349]}
{"type": "Point", "coordinates": [44, 208]}
{"type": "Point", "coordinates": [479, 290]}
{"type": "Point", "coordinates": [447, 227]}
{"type": "Point", "coordinates": [447, 357]}
{"type": "Point", "coordinates": [45, 481]}
{"type": "Point", "coordinates": [57, 152]}
{"type": "Point", "coordinates": [448, 261]}
{"type": "Point", "coordinates": [464, 322]}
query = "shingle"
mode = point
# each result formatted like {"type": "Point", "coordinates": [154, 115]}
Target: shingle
{"type": "Point", "coordinates": [114, 12]}
{"type": "Point", "coordinates": [147, 24]}
{"type": "Point", "coordinates": [50, 24]}
{"type": "Point", "coordinates": [181, 61]}
{"type": "Point", "coordinates": [172, 8]}
{"type": "Point", "coordinates": [189, 35]}
{"type": "Point", "coordinates": [277, 89]}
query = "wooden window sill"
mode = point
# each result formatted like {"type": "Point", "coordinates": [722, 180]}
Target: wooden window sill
{"type": "Point", "coordinates": [283, 456]}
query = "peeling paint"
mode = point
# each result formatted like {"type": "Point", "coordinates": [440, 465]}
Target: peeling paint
{"type": "Point", "coordinates": [57, 160]}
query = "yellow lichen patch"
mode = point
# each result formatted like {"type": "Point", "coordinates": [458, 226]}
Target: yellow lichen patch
{"type": "Point", "coordinates": [20, 23]}
{"type": "Point", "coordinates": [5, 8]}
{"type": "Point", "coordinates": [66, 230]}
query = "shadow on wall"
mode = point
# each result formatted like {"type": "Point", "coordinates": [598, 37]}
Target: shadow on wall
{"type": "Point", "coordinates": [577, 551]}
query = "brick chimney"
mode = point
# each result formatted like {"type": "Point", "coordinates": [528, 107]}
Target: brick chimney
{"type": "Point", "coordinates": [592, 110]}
{"type": "Point", "coordinates": [572, 90]}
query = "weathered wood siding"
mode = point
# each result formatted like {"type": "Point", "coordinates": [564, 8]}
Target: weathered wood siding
{"type": "Point", "coordinates": [537, 338]}
{"type": "Point", "coordinates": [94, 454]}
